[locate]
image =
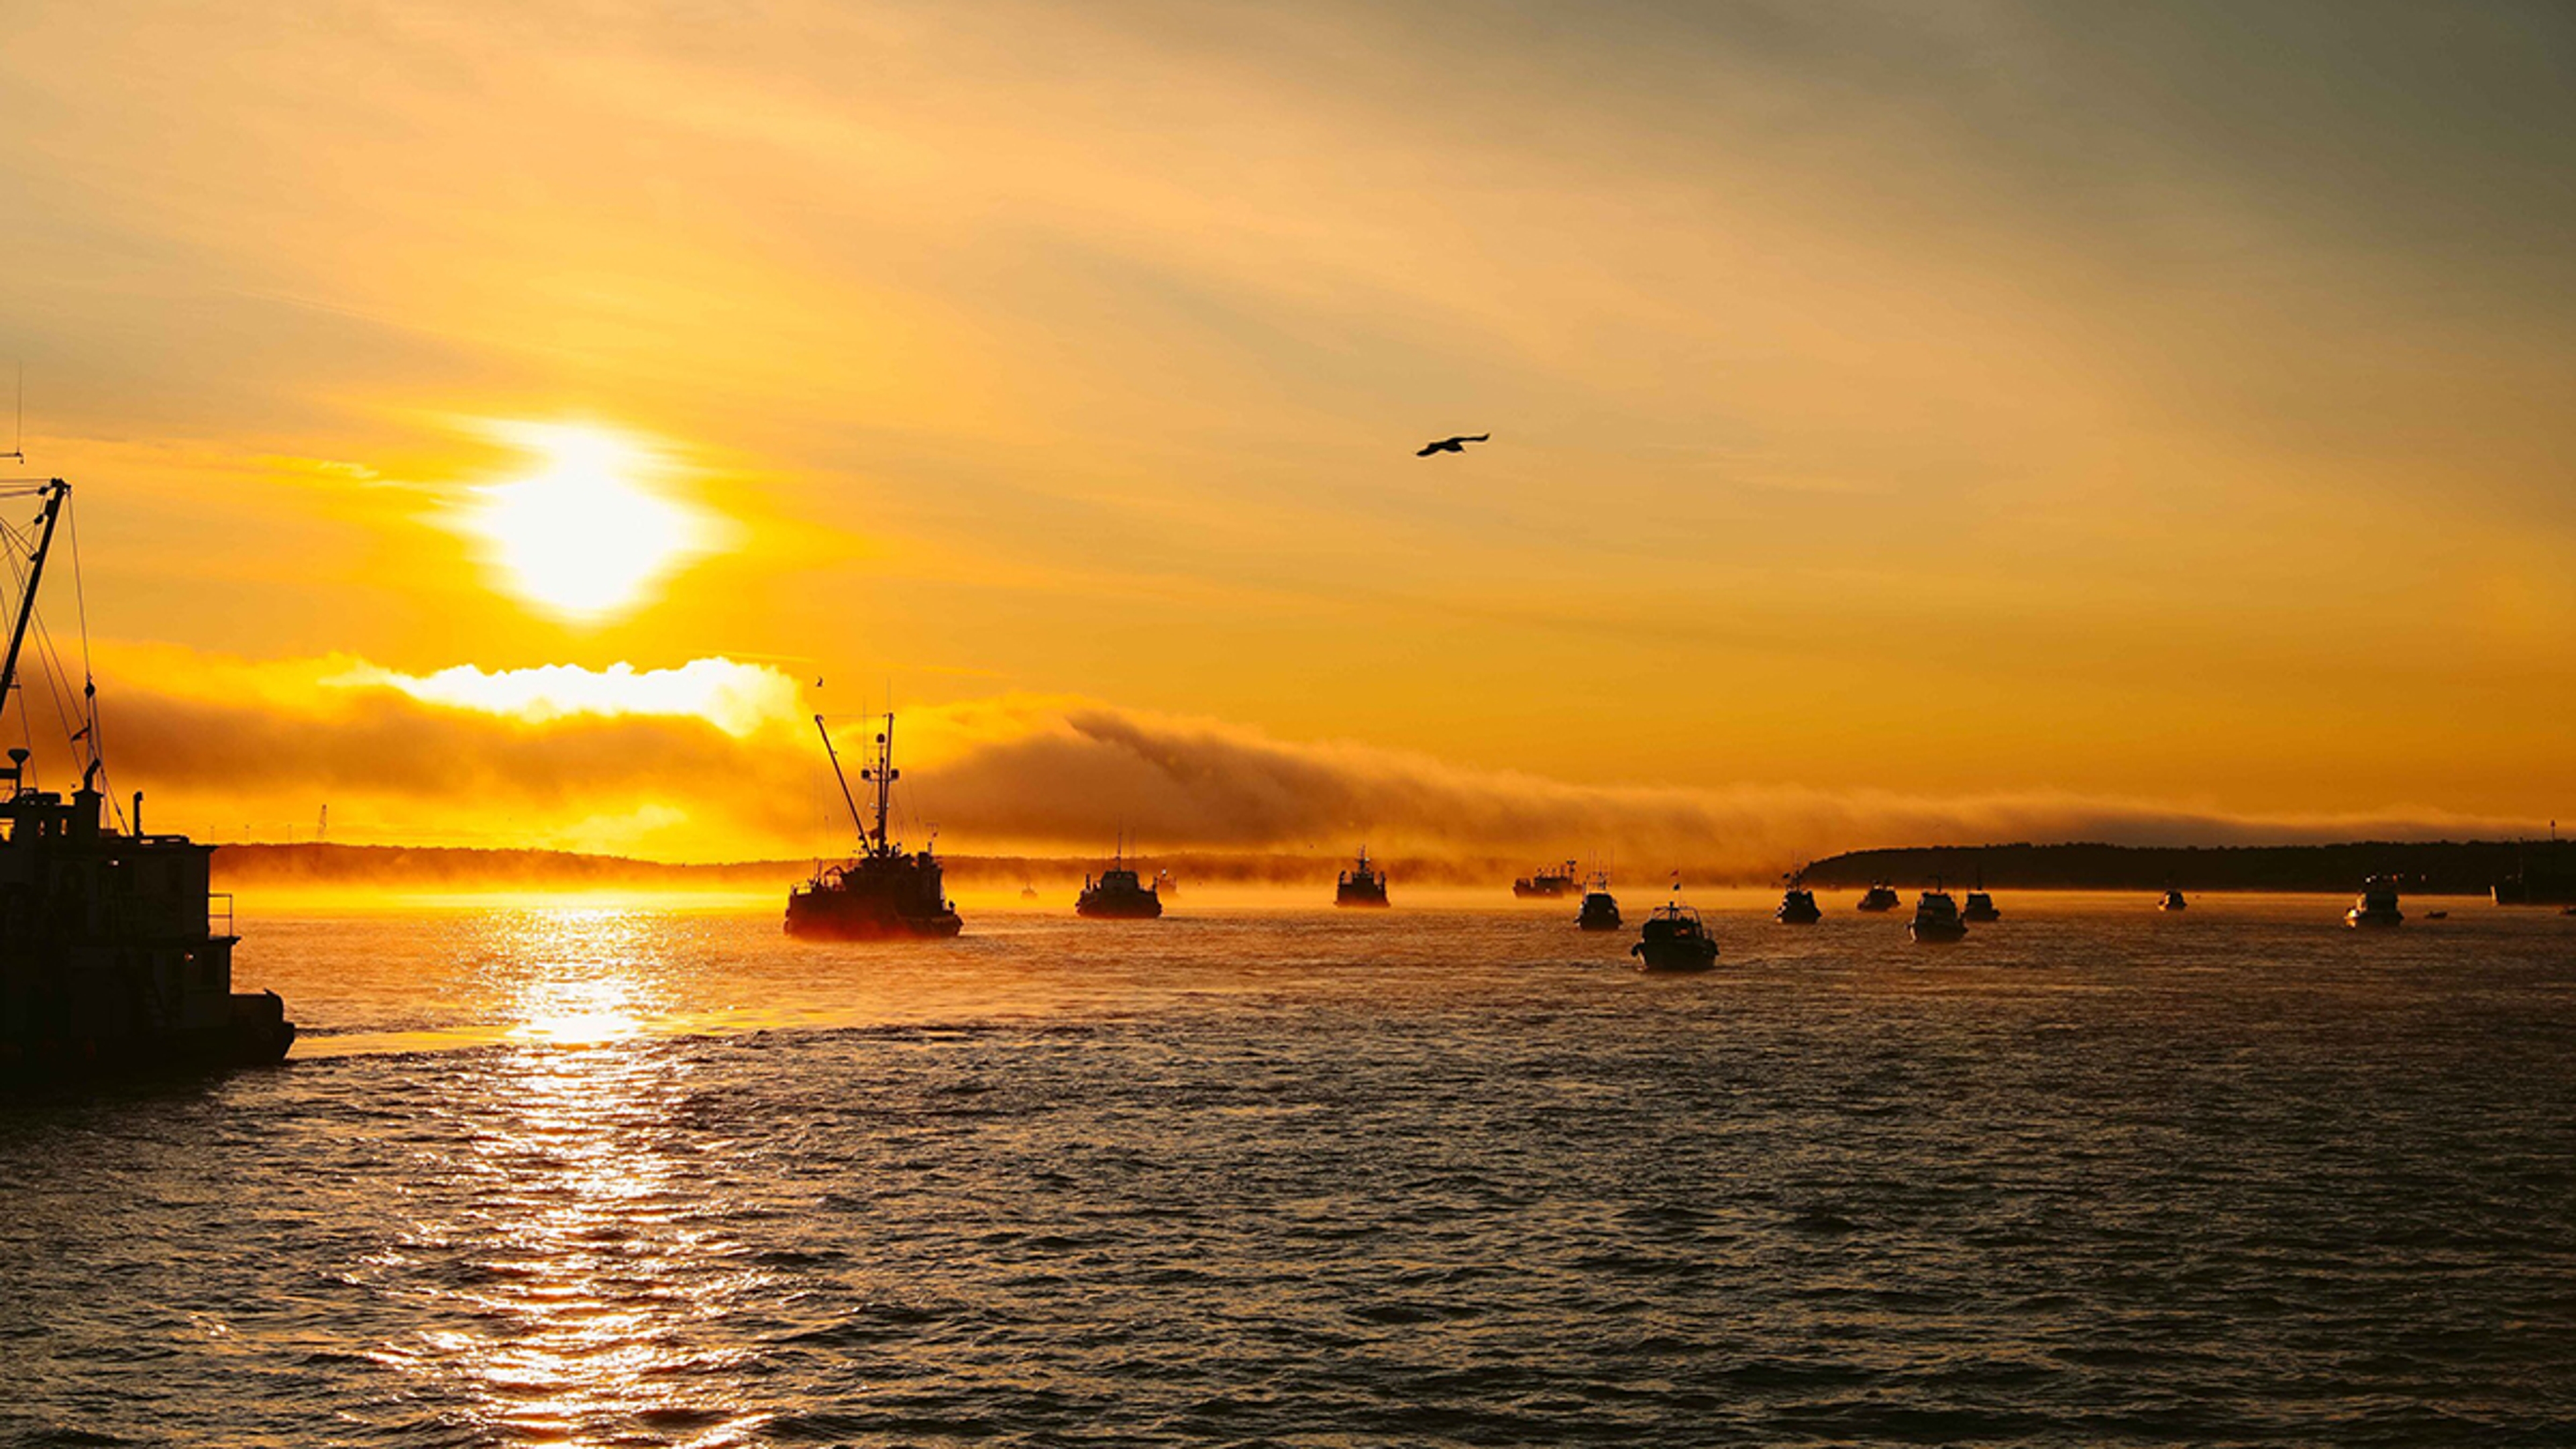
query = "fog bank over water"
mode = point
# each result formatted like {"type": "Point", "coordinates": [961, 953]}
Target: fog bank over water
{"type": "Point", "coordinates": [718, 762]}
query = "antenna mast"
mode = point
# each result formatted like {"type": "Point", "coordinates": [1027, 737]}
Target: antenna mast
{"type": "Point", "coordinates": [884, 775]}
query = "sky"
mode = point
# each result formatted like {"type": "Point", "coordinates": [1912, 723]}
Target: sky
{"type": "Point", "coordinates": [1911, 423]}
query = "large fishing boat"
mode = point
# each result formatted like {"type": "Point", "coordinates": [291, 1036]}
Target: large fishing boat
{"type": "Point", "coordinates": [1362, 885]}
{"type": "Point", "coordinates": [115, 956]}
{"type": "Point", "coordinates": [884, 892]}
{"type": "Point", "coordinates": [1546, 883]}
{"type": "Point", "coordinates": [1118, 894]}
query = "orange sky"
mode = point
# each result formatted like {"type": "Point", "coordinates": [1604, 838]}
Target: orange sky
{"type": "Point", "coordinates": [1909, 420]}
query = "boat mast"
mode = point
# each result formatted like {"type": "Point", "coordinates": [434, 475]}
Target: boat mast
{"type": "Point", "coordinates": [54, 491]}
{"type": "Point", "coordinates": [884, 776]}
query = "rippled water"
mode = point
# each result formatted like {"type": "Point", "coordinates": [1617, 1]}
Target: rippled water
{"type": "Point", "coordinates": [635, 1176]}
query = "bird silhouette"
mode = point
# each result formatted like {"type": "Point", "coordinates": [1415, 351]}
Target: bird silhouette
{"type": "Point", "coordinates": [1450, 445]}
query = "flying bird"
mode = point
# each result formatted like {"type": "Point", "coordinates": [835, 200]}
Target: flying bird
{"type": "Point", "coordinates": [1450, 445]}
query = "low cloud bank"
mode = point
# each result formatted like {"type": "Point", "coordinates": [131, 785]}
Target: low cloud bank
{"type": "Point", "coordinates": [649, 768]}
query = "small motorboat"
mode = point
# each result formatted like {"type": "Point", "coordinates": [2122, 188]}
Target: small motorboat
{"type": "Point", "coordinates": [2172, 901]}
{"type": "Point", "coordinates": [1880, 897]}
{"type": "Point", "coordinates": [1936, 919]}
{"type": "Point", "coordinates": [1797, 903]}
{"type": "Point", "coordinates": [1674, 940]}
{"type": "Point", "coordinates": [1600, 908]}
{"type": "Point", "coordinates": [2377, 905]}
{"type": "Point", "coordinates": [1980, 907]}
{"type": "Point", "coordinates": [2437, 915]}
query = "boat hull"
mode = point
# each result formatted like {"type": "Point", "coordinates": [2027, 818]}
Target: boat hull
{"type": "Point", "coordinates": [1936, 933]}
{"type": "Point", "coordinates": [824, 922]}
{"type": "Point", "coordinates": [1117, 910]}
{"type": "Point", "coordinates": [1674, 956]}
{"type": "Point", "coordinates": [256, 1034]}
{"type": "Point", "coordinates": [2362, 920]}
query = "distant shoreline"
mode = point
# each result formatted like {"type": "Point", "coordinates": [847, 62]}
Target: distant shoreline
{"type": "Point", "coordinates": [2430, 867]}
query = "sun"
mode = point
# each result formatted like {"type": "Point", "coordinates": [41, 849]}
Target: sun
{"type": "Point", "coordinates": [583, 538]}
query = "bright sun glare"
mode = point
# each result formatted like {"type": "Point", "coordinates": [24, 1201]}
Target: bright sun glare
{"type": "Point", "coordinates": [581, 538]}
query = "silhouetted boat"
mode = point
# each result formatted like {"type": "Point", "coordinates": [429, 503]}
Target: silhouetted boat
{"type": "Point", "coordinates": [1797, 903]}
{"type": "Point", "coordinates": [1548, 883]}
{"type": "Point", "coordinates": [2437, 915]}
{"type": "Point", "coordinates": [1361, 885]}
{"type": "Point", "coordinates": [884, 893]}
{"type": "Point", "coordinates": [1600, 908]}
{"type": "Point", "coordinates": [2172, 901]}
{"type": "Point", "coordinates": [1979, 907]}
{"type": "Point", "coordinates": [1673, 939]}
{"type": "Point", "coordinates": [1880, 897]}
{"type": "Point", "coordinates": [2377, 905]}
{"type": "Point", "coordinates": [1029, 892]}
{"type": "Point", "coordinates": [113, 957]}
{"type": "Point", "coordinates": [1118, 894]}
{"type": "Point", "coordinates": [1936, 918]}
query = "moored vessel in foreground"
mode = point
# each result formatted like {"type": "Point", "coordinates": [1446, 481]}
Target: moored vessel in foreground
{"type": "Point", "coordinates": [1600, 908]}
{"type": "Point", "coordinates": [2172, 901]}
{"type": "Point", "coordinates": [1674, 939]}
{"type": "Point", "coordinates": [885, 892]}
{"type": "Point", "coordinates": [116, 957]}
{"type": "Point", "coordinates": [2377, 905]}
{"type": "Point", "coordinates": [1936, 918]}
{"type": "Point", "coordinates": [1363, 884]}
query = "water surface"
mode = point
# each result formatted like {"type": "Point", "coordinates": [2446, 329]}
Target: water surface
{"type": "Point", "coordinates": [626, 1175]}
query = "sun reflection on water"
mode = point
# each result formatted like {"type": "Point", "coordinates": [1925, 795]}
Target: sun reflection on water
{"type": "Point", "coordinates": [592, 1268]}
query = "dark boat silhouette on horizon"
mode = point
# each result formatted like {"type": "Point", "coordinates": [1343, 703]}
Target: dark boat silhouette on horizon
{"type": "Point", "coordinates": [2377, 905]}
{"type": "Point", "coordinates": [1936, 918]}
{"type": "Point", "coordinates": [1545, 883]}
{"type": "Point", "coordinates": [115, 957]}
{"type": "Point", "coordinates": [1797, 903]}
{"type": "Point", "coordinates": [1880, 897]}
{"type": "Point", "coordinates": [1674, 939]}
{"type": "Point", "coordinates": [1362, 885]}
{"type": "Point", "coordinates": [1119, 894]}
{"type": "Point", "coordinates": [884, 893]}
{"type": "Point", "coordinates": [1600, 909]}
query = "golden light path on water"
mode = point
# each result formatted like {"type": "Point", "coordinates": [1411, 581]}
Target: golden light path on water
{"type": "Point", "coordinates": [591, 1262]}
